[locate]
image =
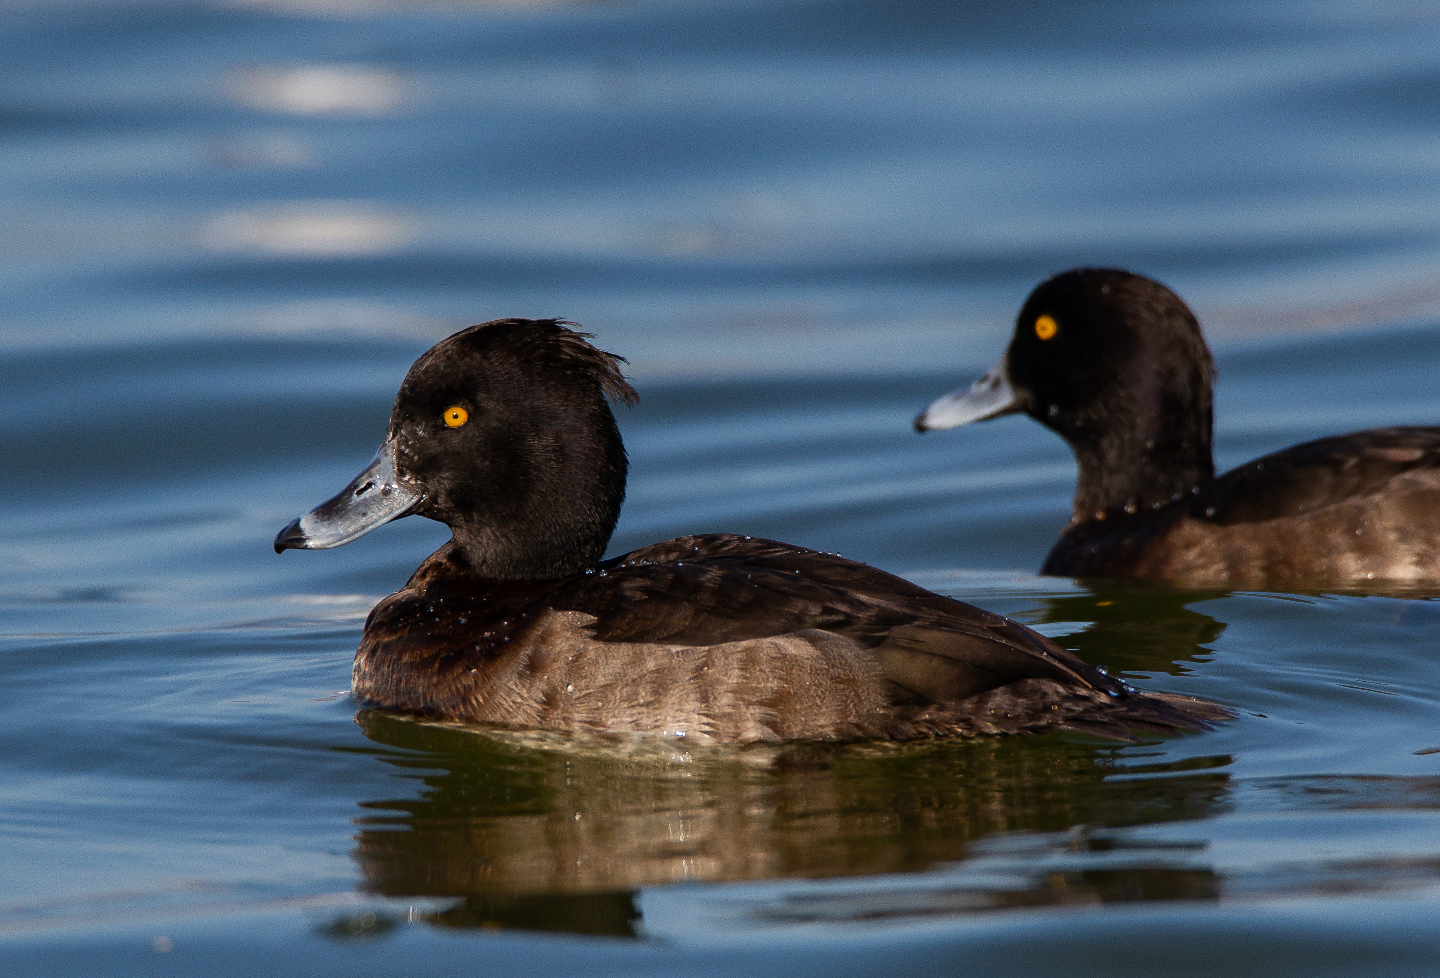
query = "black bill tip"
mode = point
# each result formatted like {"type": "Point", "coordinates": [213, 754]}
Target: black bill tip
{"type": "Point", "coordinates": [290, 538]}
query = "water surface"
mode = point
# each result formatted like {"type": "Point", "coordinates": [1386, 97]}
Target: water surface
{"type": "Point", "coordinates": [231, 226]}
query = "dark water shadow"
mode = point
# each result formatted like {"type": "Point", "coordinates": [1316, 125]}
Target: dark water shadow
{"type": "Point", "coordinates": [1150, 629]}
{"type": "Point", "coordinates": [537, 832]}
{"type": "Point", "coordinates": [1134, 628]}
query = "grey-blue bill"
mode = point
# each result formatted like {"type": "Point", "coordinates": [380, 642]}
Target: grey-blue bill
{"type": "Point", "coordinates": [989, 397]}
{"type": "Point", "coordinates": [374, 497]}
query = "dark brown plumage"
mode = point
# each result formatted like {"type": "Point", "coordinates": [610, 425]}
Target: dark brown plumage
{"type": "Point", "coordinates": [1115, 363]}
{"type": "Point", "coordinates": [503, 432]}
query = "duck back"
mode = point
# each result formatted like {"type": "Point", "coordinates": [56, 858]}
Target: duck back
{"type": "Point", "coordinates": [1358, 507]}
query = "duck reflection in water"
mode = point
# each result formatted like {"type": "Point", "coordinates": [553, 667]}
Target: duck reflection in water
{"type": "Point", "coordinates": [1133, 627]}
{"type": "Point", "coordinates": [531, 831]}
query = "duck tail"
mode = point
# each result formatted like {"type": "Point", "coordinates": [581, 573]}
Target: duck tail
{"type": "Point", "coordinates": [1037, 705]}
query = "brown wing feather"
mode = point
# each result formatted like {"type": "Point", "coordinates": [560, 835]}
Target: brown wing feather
{"type": "Point", "coordinates": [723, 588]}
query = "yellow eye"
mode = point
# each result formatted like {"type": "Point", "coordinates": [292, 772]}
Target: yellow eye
{"type": "Point", "coordinates": [456, 416]}
{"type": "Point", "coordinates": [1046, 327]}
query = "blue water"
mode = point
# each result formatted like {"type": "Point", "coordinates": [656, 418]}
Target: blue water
{"type": "Point", "coordinates": [230, 226]}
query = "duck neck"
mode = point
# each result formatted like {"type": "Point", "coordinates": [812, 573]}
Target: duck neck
{"type": "Point", "coordinates": [1140, 465]}
{"type": "Point", "coordinates": [551, 518]}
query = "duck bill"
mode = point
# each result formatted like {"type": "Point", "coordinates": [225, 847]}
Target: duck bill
{"type": "Point", "coordinates": [374, 497]}
{"type": "Point", "coordinates": [989, 397]}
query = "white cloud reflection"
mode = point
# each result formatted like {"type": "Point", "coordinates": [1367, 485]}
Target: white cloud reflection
{"type": "Point", "coordinates": [322, 90]}
{"type": "Point", "coordinates": [319, 228]}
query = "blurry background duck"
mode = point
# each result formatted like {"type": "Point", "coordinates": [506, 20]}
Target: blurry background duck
{"type": "Point", "coordinates": [504, 432]}
{"type": "Point", "coordinates": [1115, 364]}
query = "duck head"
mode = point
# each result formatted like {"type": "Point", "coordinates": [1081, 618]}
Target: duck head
{"type": "Point", "coordinates": [1115, 364]}
{"type": "Point", "coordinates": [502, 432]}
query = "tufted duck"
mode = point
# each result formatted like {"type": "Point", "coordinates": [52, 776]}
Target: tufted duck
{"type": "Point", "coordinates": [1115, 364]}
